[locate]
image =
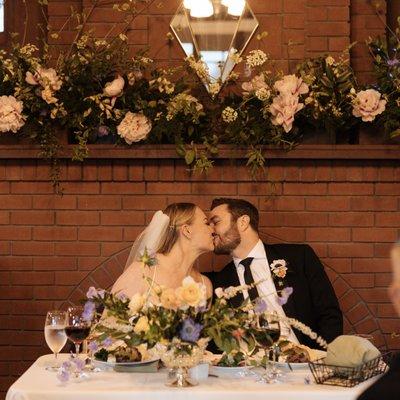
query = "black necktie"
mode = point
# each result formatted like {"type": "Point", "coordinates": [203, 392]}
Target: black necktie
{"type": "Point", "coordinates": [248, 277]}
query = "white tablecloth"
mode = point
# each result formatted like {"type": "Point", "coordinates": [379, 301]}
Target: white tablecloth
{"type": "Point", "coordinates": [39, 384]}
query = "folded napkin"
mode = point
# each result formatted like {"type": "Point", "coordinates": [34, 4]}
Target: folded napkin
{"type": "Point", "coordinates": [350, 351]}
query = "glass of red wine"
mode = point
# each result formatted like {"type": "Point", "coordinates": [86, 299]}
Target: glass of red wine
{"type": "Point", "coordinates": [77, 328]}
{"type": "Point", "coordinates": [267, 335]}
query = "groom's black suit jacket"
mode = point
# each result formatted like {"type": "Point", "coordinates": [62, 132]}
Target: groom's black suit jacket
{"type": "Point", "coordinates": [313, 301]}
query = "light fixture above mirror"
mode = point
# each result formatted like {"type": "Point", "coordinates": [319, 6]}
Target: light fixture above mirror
{"type": "Point", "coordinates": [213, 31]}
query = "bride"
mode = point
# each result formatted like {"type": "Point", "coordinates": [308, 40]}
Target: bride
{"type": "Point", "coordinates": [177, 236]}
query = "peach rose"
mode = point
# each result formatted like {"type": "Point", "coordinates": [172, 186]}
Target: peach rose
{"type": "Point", "coordinates": [191, 293]}
{"type": "Point", "coordinates": [368, 104]}
{"type": "Point", "coordinates": [169, 299]}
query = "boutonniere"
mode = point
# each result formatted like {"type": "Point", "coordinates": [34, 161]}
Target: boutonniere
{"type": "Point", "coordinates": [279, 270]}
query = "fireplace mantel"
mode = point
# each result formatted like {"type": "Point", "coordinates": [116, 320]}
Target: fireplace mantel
{"type": "Point", "coordinates": [305, 151]}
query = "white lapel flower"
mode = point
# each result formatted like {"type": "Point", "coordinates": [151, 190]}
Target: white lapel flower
{"type": "Point", "coordinates": [279, 268]}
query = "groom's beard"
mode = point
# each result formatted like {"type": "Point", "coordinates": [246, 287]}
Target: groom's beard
{"type": "Point", "coordinates": [228, 242]}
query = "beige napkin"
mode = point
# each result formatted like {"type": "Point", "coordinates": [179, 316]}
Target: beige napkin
{"type": "Point", "coordinates": [350, 351]}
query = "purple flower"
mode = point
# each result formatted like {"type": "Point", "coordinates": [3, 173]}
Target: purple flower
{"type": "Point", "coordinates": [103, 131]}
{"type": "Point", "coordinates": [63, 375]}
{"type": "Point", "coordinates": [285, 294]}
{"type": "Point", "coordinates": [88, 311]}
{"type": "Point", "coordinates": [393, 62]}
{"type": "Point", "coordinates": [121, 296]}
{"type": "Point", "coordinates": [79, 363]}
{"type": "Point", "coordinates": [190, 330]}
{"type": "Point", "coordinates": [93, 346]}
{"type": "Point", "coordinates": [260, 306]}
{"type": "Point", "coordinates": [93, 292]}
{"type": "Point", "coordinates": [107, 342]}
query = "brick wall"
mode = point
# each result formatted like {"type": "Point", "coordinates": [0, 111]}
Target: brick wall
{"type": "Point", "coordinates": [297, 28]}
{"type": "Point", "coordinates": [50, 245]}
{"type": "Point", "coordinates": [51, 248]}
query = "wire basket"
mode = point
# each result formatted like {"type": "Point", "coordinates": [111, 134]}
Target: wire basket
{"type": "Point", "coordinates": [349, 376]}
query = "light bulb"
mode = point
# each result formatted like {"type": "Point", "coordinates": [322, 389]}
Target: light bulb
{"type": "Point", "coordinates": [188, 4]}
{"type": "Point", "coordinates": [202, 9]}
{"type": "Point", "coordinates": [236, 7]}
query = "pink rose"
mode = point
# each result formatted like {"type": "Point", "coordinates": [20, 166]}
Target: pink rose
{"type": "Point", "coordinates": [291, 84]}
{"type": "Point", "coordinates": [283, 109]}
{"type": "Point", "coordinates": [258, 82]}
{"type": "Point", "coordinates": [368, 104]}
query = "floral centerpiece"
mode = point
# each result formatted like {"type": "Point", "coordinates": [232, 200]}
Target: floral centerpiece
{"type": "Point", "coordinates": [165, 322]}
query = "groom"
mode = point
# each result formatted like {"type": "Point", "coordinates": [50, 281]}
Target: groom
{"type": "Point", "coordinates": [313, 301]}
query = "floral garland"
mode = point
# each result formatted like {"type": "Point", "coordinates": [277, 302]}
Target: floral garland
{"type": "Point", "coordinates": [101, 95]}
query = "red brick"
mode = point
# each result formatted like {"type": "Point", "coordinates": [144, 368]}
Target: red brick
{"type": "Point", "coordinates": [123, 188]}
{"type": "Point", "coordinates": [12, 202]}
{"type": "Point", "coordinates": [100, 233]}
{"type": "Point", "coordinates": [306, 189]}
{"type": "Point", "coordinates": [360, 280]}
{"type": "Point", "coordinates": [77, 218]}
{"type": "Point", "coordinates": [54, 202]}
{"type": "Point", "coordinates": [350, 188]}
{"type": "Point", "coordinates": [330, 203]}
{"type": "Point", "coordinates": [32, 278]}
{"type": "Point", "coordinates": [15, 233]}
{"type": "Point", "coordinates": [327, 234]}
{"type": "Point", "coordinates": [387, 219]}
{"type": "Point", "coordinates": [351, 250]}
{"type": "Point", "coordinates": [55, 233]}
{"type": "Point", "coordinates": [99, 202]}
{"type": "Point", "coordinates": [32, 248]}
{"type": "Point", "coordinates": [32, 217]}
{"type": "Point", "coordinates": [371, 265]}
{"type": "Point", "coordinates": [374, 235]}
{"type": "Point", "coordinates": [374, 295]}
{"type": "Point", "coordinates": [351, 219]}
{"type": "Point", "coordinates": [122, 218]}
{"type": "Point", "coordinates": [381, 203]}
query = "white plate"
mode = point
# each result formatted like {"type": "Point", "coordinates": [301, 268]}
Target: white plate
{"type": "Point", "coordinates": [228, 371]}
{"type": "Point", "coordinates": [112, 364]}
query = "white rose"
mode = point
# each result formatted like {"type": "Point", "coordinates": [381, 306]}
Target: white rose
{"type": "Point", "coordinates": [219, 292]}
{"type": "Point", "coordinates": [11, 118]}
{"type": "Point", "coordinates": [136, 303]}
{"type": "Point", "coordinates": [115, 87]}
{"type": "Point", "coordinates": [368, 104]}
{"type": "Point", "coordinates": [134, 127]}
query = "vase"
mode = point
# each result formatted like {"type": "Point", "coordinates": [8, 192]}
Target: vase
{"type": "Point", "coordinates": [180, 362]}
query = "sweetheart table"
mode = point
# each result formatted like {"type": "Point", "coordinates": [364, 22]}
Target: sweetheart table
{"type": "Point", "coordinates": [39, 384]}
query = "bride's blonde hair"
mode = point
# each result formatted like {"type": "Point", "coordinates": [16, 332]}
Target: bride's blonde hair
{"type": "Point", "coordinates": [179, 214]}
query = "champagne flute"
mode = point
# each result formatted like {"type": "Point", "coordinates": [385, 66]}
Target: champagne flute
{"type": "Point", "coordinates": [54, 333]}
{"type": "Point", "coordinates": [77, 328]}
{"type": "Point", "coordinates": [267, 335]}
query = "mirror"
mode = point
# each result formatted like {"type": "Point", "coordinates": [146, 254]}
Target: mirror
{"type": "Point", "coordinates": [212, 31]}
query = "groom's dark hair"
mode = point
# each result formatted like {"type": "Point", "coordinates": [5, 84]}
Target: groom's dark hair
{"type": "Point", "coordinates": [237, 208]}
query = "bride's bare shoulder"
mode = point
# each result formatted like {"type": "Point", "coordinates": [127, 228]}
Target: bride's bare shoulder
{"type": "Point", "coordinates": [130, 278]}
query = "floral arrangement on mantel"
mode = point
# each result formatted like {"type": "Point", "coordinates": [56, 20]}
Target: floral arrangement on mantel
{"type": "Point", "coordinates": [99, 94]}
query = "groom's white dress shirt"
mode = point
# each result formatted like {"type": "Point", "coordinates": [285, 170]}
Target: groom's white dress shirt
{"type": "Point", "coordinates": [266, 289]}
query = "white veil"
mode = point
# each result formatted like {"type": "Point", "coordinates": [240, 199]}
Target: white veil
{"type": "Point", "coordinates": [150, 238]}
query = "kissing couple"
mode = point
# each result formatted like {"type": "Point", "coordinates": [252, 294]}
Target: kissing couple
{"type": "Point", "coordinates": [182, 232]}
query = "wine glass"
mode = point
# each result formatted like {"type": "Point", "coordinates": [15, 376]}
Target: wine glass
{"type": "Point", "coordinates": [77, 328]}
{"type": "Point", "coordinates": [54, 333]}
{"type": "Point", "coordinates": [267, 335]}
